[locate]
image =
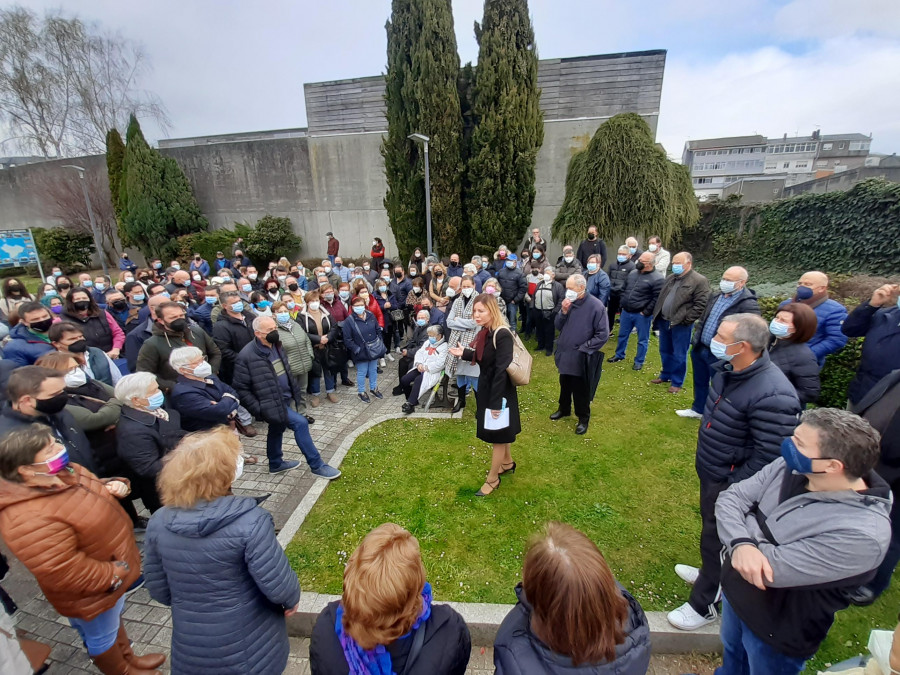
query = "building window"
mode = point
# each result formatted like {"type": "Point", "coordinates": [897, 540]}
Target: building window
{"type": "Point", "coordinates": [771, 166]}
{"type": "Point", "coordinates": [802, 165]}
{"type": "Point", "coordinates": [786, 165]}
{"type": "Point", "coordinates": [827, 146]}
{"type": "Point", "coordinates": [822, 163]}
{"type": "Point", "coordinates": [859, 145]}
{"type": "Point", "coordinates": [841, 146]}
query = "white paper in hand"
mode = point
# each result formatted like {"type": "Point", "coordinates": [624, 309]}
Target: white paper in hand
{"type": "Point", "coordinates": [491, 424]}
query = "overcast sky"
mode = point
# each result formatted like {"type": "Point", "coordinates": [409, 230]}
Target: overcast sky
{"type": "Point", "coordinates": [733, 68]}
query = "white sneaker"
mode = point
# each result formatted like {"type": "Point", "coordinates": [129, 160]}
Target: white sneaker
{"type": "Point", "coordinates": [390, 357]}
{"type": "Point", "coordinates": [690, 412]}
{"type": "Point", "coordinates": [688, 573]}
{"type": "Point", "coordinates": [381, 363]}
{"type": "Point", "coordinates": [685, 618]}
{"type": "Point", "coordinates": [399, 351]}
{"type": "Point", "coordinates": [350, 364]}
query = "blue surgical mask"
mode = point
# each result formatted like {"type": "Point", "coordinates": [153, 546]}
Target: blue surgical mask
{"type": "Point", "coordinates": [166, 294]}
{"type": "Point", "coordinates": [358, 310]}
{"type": "Point", "coordinates": [778, 329]}
{"type": "Point", "coordinates": [344, 295]}
{"type": "Point", "coordinates": [50, 294]}
{"type": "Point", "coordinates": [264, 304]}
{"type": "Point", "coordinates": [57, 273]}
{"type": "Point", "coordinates": [796, 460]}
{"type": "Point", "coordinates": [421, 322]}
{"type": "Point", "coordinates": [156, 401]}
{"type": "Point", "coordinates": [100, 287]}
{"type": "Point", "coordinates": [484, 264]}
{"type": "Point", "coordinates": [898, 302]}
{"type": "Point", "coordinates": [677, 269]}
{"type": "Point", "coordinates": [237, 307]}
{"type": "Point", "coordinates": [727, 286]}
{"type": "Point", "coordinates": [718, 350]}
{"type": "Point", "coordinates": [592, 267]}
{"type": "Point", "coordinates": [432, 340]}
{"type": "Point", "coordinates": [211, 300]}
{"type": "Point", "coordinates": [382, 289]}
{"type": "Point", "coordinates": [246, 288]}
{"type": "Point", "coordinates": [621, 258]}
{"type": "Point", "coordinates": [633, 249]}
{"type": "Point", "coordinates": [291, 304]}
{"type": "Point", "coordinates": [137, 298]}
{"type": "Point", "coordinates": [511, 264]}
{"type": "Point", "coordinates": [536, 255]}
{"type": "Point", "coordinates": [282, 317]}
{"type": "Point", "coordinates": [88, 284]}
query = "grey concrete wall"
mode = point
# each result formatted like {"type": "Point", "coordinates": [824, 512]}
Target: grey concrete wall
{"type": "Point", "coordinates": [844, 180]}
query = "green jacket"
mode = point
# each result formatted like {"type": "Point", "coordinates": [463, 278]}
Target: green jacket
{"type": "Point", "coordinates": [154, 354]}
{"type": "Point", "coordinates": [297, 347]}
{"type": "Point", "coordinates": [107, 415]}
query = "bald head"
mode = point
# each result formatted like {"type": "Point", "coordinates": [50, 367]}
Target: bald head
{"type": "Point", "coordinates": [815, 281]}
{"type": "Point", "coordinates": [155, 301]}
{"type": "Point", "coordinates": [736, 274]}
{"type": "Point", "coordinates": [685, 259]}
{"type": "Point", "coordinates": [647, 259]}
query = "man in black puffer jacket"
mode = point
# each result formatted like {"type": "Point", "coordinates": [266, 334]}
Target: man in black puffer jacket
{"type": "Point", "coordinates": [513, 288]}
{"type": "Point", "coordinates": [642, 288]}
{"type": "Point", "coordinates": [751, 408]}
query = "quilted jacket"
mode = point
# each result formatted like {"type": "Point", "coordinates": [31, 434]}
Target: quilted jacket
{"type": "Point", "coordinates": [257, 386]}
{"type": "Point", "coordinates": [221, 569]}
{"type": "Point", "coordinates": [69, 540]}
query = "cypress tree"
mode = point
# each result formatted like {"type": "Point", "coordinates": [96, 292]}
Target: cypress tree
{"type": "Point", "coordinates": [115, 158]}
{"type": "Point", "coordinates": [509, 126]}
{"type": "Point", "coordinates": [421, 97]}
{"type": "Point", "coordinates": [624, 184]}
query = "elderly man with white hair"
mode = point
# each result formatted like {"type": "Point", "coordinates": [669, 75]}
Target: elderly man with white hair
{"type": "Point", "coordinates": [567, 265]}
{"type": "Point", "coordinates": [263, 383]}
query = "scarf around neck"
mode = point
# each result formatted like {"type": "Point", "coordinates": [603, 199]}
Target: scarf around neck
{"type": "Point", "coordinates": [376, 661]}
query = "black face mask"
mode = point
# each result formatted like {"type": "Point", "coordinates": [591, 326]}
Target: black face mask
{"type": "Point", "coordinates": [178, 325]}
{"type": "Point", "coordinates": [293, 287]}
{"type": "Point", "coordinates": [438, 274]}
{"type": "Point", "coordinates": [454, 264]}
{"type": "Point", "coordinates": [639, 266]}
{"type": "Point", "coordinates": [64, 287]}
{"type": "Point", "coordinates": [399, 275]}
{"type": "Point", "coordinates": [592, 236]}
{"type": "Point", "coordinates": [15, 290]}
{"type": "Point", "coordinates": [273, 338]}
{"type": "Point", "coordinates": [51, 406]}
{"type": "Point", "coordinates": [119, 305]}
{"type": "Point", "coordinates": [41, 326]}
{"type": "Point", "coordinates": [79, 346]}
{"type": "Point", "coordinates": [81, 305]}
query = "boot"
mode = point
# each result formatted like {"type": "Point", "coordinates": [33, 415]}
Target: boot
{"type": "Point", "coordinates": [460, 400]}
{"type": "Point", "coordinates": [112, 662]}
{"type": "Point", "coordinates": [147, 662]}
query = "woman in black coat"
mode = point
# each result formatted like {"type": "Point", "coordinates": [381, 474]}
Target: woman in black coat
{"type": "Point", "coordinates": [572, 617]}
{"type": "Point", "coordinates": [145, 433]}
{"type": "Point", "coordinates": [792, 328]}
{"type": "Point", "coordinates": [393, 616]}
{"type": "Point", "coordinates": [496, 395]}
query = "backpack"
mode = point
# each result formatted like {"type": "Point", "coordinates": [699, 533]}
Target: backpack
{"type": "Point", "coordinates": [519, 370]}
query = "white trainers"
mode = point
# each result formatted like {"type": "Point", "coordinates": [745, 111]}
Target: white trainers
{"type": "Point", "coordinates": [390, 357]}
{"type": "Point", "coordinates": [688, 573]}
{"type": "Point", "coordinates": [399, 351]}
{"type": "Point", "coordinates": [690, 412]}
{"type": "Point", "coordinates": [685, 618]}
{"type": "Point", "coordinates": [350, 364]}
{"type": "Point", "coordinates": [382, 363]}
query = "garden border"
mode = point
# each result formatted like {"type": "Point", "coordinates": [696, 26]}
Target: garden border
{"type": "Point", "coordinates": [483, 619]}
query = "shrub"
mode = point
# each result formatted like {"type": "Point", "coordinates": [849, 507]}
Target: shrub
{"type": "Point", "coordinates": [207, 243]}
{"type": "Point", "coordinates": [63, 248]}
{"type": "Point", "coordinates": [272, 238]}
{"type": "Point", "coordinates": [838, 371]}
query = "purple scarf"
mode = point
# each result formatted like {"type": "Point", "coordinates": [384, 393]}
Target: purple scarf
{"type": "Point", "coordinates": [375, 661]}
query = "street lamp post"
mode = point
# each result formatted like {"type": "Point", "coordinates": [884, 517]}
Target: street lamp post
{"type": "Point", "coordinates": [421, 138]}
{"type": "Point", "coordinates": [87, 200]}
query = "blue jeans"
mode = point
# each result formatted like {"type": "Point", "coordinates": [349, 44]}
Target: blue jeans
{"type": "Point", "coordinates": [746, 654]}
{"type": "Point", "coordinates": [298, 424]}
{"type": "Point", "coordinates": [329, 382]}
{"type": "Point", "coordinates": [701, 362]}
{"type": "Point", "coordinates": [512, 312]}
{"type": "Point", "coordinates": [331, 258]}
{"type": "Point", "coordinates": [99, 634]}
{"type": "Point", "coordinates": [467, 381]}
{"type": "Point", "coordinates": [628, 321]}
{"type": "Point", "coordinates": [674, 342]}
{"type": "Point", "coordinates": [366, 369]}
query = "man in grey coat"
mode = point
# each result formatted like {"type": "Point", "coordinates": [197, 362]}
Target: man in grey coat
{"type": "Point", "coordinates": [803, 532]}
{"type": "Point", "coordinates": [583, 330]}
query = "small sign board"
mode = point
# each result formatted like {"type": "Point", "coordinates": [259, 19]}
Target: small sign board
{"type": "Point", "coordinates": [17, 249]}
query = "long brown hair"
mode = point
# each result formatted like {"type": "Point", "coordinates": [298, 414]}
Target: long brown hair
{"type": "Point", "coordinates": [578, 608]}
{"type": "Point", "coordinates": [489, 302]}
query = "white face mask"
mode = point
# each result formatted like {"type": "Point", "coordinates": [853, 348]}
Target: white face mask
{"type": "Point", "coordinates": [571, 295]}
{"type": "Point", "coordinates": [548, 278]}
{"type": "Point", "coordinates": [653, 248]}
{"type": "Point", "coordinates": [239, 469]}
{"type": "Point", "coordinates": [569, 258]}
{"type": "Point", "coordinates": [76, 378]}
{"type": "Point", "coordinates": [203, 370]}
{"type": "Point", "coordinates": [314, 306]}
{"type": "Point", "coordinates": [451, 293]}
{"type": "Point", "coordinates": [468, 292]}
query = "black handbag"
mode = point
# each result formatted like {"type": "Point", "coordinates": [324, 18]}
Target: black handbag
{"type": "Point", "coordinates": [398, 315]}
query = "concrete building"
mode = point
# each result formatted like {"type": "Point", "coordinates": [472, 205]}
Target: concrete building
{"type": "Point", "coordinates": [330, 175]}
{"type": "Point", "coordinates": [717, 162]}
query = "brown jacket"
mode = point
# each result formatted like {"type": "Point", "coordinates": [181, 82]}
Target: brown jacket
{"type": "Point", "coordinates": [690, 298]}
{"type": "Point", "coordinates": [69, 539]}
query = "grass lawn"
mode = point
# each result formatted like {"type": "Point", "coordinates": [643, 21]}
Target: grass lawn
{"type": "Point", "coordinates": [629, 484]}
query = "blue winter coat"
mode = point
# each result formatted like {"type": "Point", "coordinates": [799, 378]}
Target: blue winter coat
{"type": "Point", "coordinates": [203, 405]}
{"type": "Point", "coordinates": [584, 330]}
{"type": "Point", "coordinates": [23, 347]}
{"type": "Point", "coordinates": [598, 285]}
{"type": "Point", "coordinates": [828, 337]}
{"type": "Point", "coordinates": [359, 331]}
{"type": "Point", "coordinates": [221, 570]}
{"type": "Point", "coordinates": [881, 350]}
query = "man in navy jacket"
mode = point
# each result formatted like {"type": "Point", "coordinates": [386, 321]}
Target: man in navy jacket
{"type": "Point", "coordinates": [878, 320]}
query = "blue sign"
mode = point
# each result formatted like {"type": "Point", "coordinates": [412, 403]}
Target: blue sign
{"type": "Point", "coordinates": [17, 249]}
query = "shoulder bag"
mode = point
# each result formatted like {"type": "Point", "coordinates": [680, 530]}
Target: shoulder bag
{"type": "Point", "coordinates": [519, 370]}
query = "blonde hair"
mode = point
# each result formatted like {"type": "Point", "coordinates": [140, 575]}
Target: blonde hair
{"type": "Point", "coordinates": [383, 584]}
{"type": "Point", "coordinates": [200, 468]}
{"type": "Point", "coordinates": [489, 302]}
{"type": "Point", "coordinates": [60, 361]}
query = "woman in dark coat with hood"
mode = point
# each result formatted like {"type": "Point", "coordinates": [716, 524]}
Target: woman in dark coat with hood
{"type": "Point", "coordinates": [214, 559]}
{"type": "Point", "coordinates": [792, 328]}
{"type": "Point", "coordinates": [572, 615]}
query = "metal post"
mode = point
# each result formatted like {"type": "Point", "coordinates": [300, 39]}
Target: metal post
{"type": "Point", "coordinates": [37, 255]}
{"type": "Point", "coordinates": [428, 202]}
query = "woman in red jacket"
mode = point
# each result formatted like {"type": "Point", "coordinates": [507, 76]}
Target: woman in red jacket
{"type": "Point", "coordinates": [377, 253]}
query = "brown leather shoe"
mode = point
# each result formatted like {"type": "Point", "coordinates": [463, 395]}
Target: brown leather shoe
{"type": "Point", "coordinates": [658, 381]}
{"type": "Point", "coordinates": [146, 663]}
{"type": "Point", "coordinates": [250, 431]}
{"type": "Point", "coordinates": [674, 390]}
{"type": "Point", "coordinates": [315, 402]}
{"type": "Point", "coordinates": [332, 398]}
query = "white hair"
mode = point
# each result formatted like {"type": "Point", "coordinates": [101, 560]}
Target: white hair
{"type": "Point", "coordinates": [135, 385]}
{"type": "Point", "coordinates": [182, 356]}
{"type": "Point", "coordinates": [579, 281]}
{"type": "Point", "coordinates": [257, 322]}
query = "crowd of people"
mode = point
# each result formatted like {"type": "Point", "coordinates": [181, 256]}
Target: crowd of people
{"type": "Point", "coordinates": [140, 389]}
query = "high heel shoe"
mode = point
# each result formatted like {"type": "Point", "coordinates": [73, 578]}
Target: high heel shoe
{"type": "Point", "coordinates": [493, 487]}
{"type": "Point", "coordinates": [511, 469]}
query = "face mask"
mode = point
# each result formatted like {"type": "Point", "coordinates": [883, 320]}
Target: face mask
{"type": "Point", "coordinates": [239, 469]}
{"type": "Point", "coordinates": [344, 295]}
{"type": "Point", "coordinates": [272, 337]}
{"type": "Point", "coordinates": [592, 267]}
{"type": "Point", "coordinates": [796, 460]}
{"type": "Point", "coordinates": [398, 275]}
{"type": "Point", "coordinates": [166, 294]}
{"type": "Point", "coordinates": [176, 266]}
{"type": "Point", "coordinates": [329, 297]}
{"type": "Point", "coordinates": [178, 325]}
{"type": "Point", "coordinates": [252, 277]}
{"type": "Point", "coordinates": [271, 289]}
{"type": "Point", "coordinates": [88, 284]}
{"type": "Point", "coordinates": [64, 287]}
{"type": "Point", "coordinates": [156, 401]}
{"type": "Point", "coordinates": [203, 370]}
{"type": "Point", "coordinates": [78, 347]}
{"type": "Point", "coordinates": [246, 288]}
{"type": "Point", "coordinates": [76, 378]}
{"type": "Point", "coordinates": [56, 309]}
{"type": "Point", "coordinates": [138, 298]}
{"type": "Point", "coordinates": [718, 350]}
{"type": "Point", "coordinates": [57, 463]}
{"type": "Point", "coordinates": [421, 322]}
{"type": "Point", "coordinates": [451, 293]}
{"type": "Point", "coordinates": [196, 277]}
{"type": "Point", "coordinates": [571, 295]}
{"type": "Point", "coordinates": [41, 326]}
{"type": "Point", "coordinates": [51, 406]}
{"type": "Point", "coordinates": [374, 243]}
{"type": "Point", "coordinates": [294, 287]}
{"type": "Point", "coordinates": [432, 340]}
{"type": "Point", "coordinates": [282, 317]}
{"type": "Point", "coordinates": [211, 300]}
{"type": "Point", "coordinates": [290, 304]}
{"type": "Point", "coordinates": [365, 296]}
{"type": "Point", "coordinates": [536, 255]}
{"type": "Point", "coordinates": [281, 279]}
{"type": "Point", "coordinates": [100, 287]}
{"type": "Point", "coordinates": [128, 280]}
{"type": "Point", "coordinates": [237, 307]}
{"type": "Point", "coordinates": [314, 306]}
{"type": "Point", "coordinates": [569, 258]}
{"type": "Point", "coordinates": [157, 266]}
{"type": "Point", "coordinates": [358, 310]}
{"type": "Point", "coordinates": [591, 236]}
{"type": "Point", "coordinates": [547, 278]}
{"type": "Point", "coordinates": [81, 305]}
{"type": "Point", "coordinates": [633, 249]}
{"type": "Point", "coordinates": [328, 270]}
{"type": "Point", "coordinates": [490, 290]}
{"type": "Point", "coordinates": [366, 267]}
{"type": "Point", "coordinates": [677, 269]}
{"type": "Point", "coordinates": [484, 265]}
{"type": "Point", "coordinates": [778, 329]}
{"type": "Point", "coordinates": [467, 292]}
{"type": "Point", "coordinates": [417, 290]}
{"type": "Point", "coordinates": [382, 289]}
{"type": "Point", "coordinates": [412, 273]}
{"type": "Point", "coordinates": [727, 286]}
{"type": "Point", "coordinates": [51, 293]}
{"type": "Point", "coordinates": [653, 248]}
{"type": "Point", "coordinates": [511, 265]}
{"type": "Point", "coordinates": [438, 274]}
{"type": "Point", "coordinates": [804, 293]}
{"type": "Point", "coordinates": [57, 273]}
{"type": "Point", "coordinates": [640, 266]}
